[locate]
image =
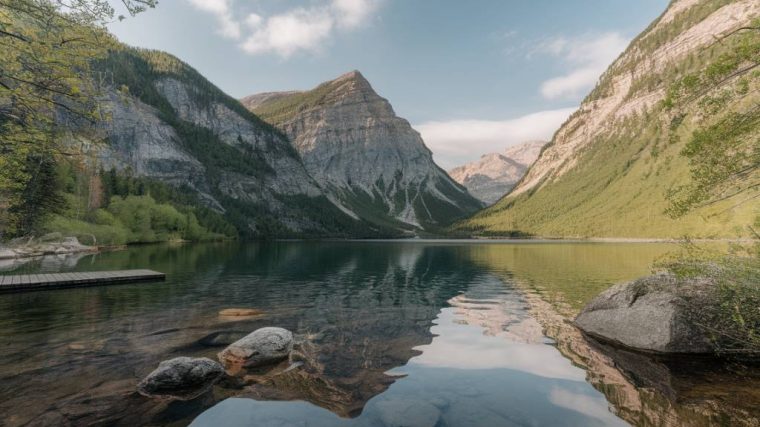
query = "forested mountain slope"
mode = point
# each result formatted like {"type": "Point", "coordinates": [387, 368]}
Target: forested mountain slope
{"type": "Point", "coordinates": [681, 103]}
{"type": "Point", "coordinates": [163, 121]}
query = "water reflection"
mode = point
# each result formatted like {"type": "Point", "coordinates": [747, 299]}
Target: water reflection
{"type": "Point", "coordinates": [649, 391]}
{"type": "Point", "coordinates": [76, 354]}
{"type": "Point", "coordinates": [441, 333]}
{"type": "Point", "coordinates": [502, 375]}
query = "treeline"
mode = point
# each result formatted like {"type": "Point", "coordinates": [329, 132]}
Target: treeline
{"type": "Point", "coordinates": [116, 208]}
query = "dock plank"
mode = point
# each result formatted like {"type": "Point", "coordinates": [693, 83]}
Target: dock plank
{"type": "Point", "coordinates": [34, 282]}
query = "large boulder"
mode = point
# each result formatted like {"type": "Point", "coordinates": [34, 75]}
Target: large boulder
{"type": "Point", "coordinates": [654, 314]}
{"type": "Point", "coordinates": [183, 378]}
{"type": "Point", "coordinates": [261, 347]}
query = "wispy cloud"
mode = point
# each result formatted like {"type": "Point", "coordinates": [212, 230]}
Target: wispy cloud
{"type": "Point", "coordinates": [300, 29]}
{"type": "Point", "coordinates": [222, 11]}
{"type": "Point", "coordinates": [586, 57]}
{"type": "Point", "coordinates": [456, 142]}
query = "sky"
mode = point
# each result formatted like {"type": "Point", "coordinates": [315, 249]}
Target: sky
{"type": "Point", "coordinates": [472, 76]}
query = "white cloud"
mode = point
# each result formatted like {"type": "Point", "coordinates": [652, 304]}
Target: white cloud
{"type": "Point", "coordinates": [285, 34]}
{"type": "Point", "coordinates": [352, 13]}
{"type": "Point", "coordinates": [587, 57]}
{"type": "Point", "coordinates": [456, 142]}
{"type": "Point", "coordinates": [571, 85]}
{"type": "Point", "coordinates": [222, 11]}
{"type": "Point", "coordinates": [295, 30]}
{"type": "Point", "coordinates": [253, 20]}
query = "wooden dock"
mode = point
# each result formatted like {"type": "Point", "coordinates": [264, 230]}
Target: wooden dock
{"type": "Point", "coordinates": [36, 282]}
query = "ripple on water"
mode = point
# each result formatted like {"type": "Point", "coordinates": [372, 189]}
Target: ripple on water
{"type": "Point", "coordinates": [442, 334]}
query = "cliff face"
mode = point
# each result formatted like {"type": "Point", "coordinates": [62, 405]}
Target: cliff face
{"type": "Point", "coordinates": [494, 174]}
{"type": "Point", "coordinates": [168, 123]}
{"type": "Point", "coordinates": [369, 160]}
{"type": "Point", "coordinates": [609, 169]}
{"type": "Point", "coordinates": [616, 98]}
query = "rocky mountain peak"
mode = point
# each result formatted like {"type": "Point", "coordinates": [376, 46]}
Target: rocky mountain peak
{"type": "Point", "coordinates": [372, 161]}
{"type": "Point", "coordinates": [494, 174]}
{"type": "Point", "coordinates": [352, 76]}
{"type": "Point", "coordinates": [351, 87]}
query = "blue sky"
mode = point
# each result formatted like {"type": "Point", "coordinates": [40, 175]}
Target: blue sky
{"type": "Point", "coordinates": [472, 76]}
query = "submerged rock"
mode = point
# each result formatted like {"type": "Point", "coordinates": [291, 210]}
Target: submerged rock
{"type": "Point", "coordinates": [653, 314]}
{"type": "Point", "coordinates": [182, 378]}
{"type": "Point", "coordinates": [240, 312]}
{"type": "Point", "coordinates": [261, 347]}
{"type": "Point", "coordinates": [407, 413]}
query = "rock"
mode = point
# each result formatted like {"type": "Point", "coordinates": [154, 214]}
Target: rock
{"type": "Point", "coordinates": [6, 253]}
{"type": "Point", "coordinates": [238, 312]}
{"type": "Point", "coordinates": [407, 413]}
{"type": "Point", "coordinates": [221, 338]}
{"type": "Point", "coordinates": [182, 378]}
{"type": "Point", "coordinates": [51, 237]}
{"type": "Point", "coordinates": [261, 347]}
{"type": "Point", "coordinates": [652, 314]}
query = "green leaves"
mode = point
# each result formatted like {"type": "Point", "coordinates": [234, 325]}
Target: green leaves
{"type": "Point", "coordinates": [724, 152]}
{"type": "Point", "coordinates": [46, 47]}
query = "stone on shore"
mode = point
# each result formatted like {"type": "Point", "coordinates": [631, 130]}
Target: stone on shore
{"type": "Point", "coordinates": [50, 244]}
{"type": "Point", "coordinates": [182, 378]}
{"type": "Point", "coordinates": [652, 314]}
{"type": "Point", "coordinates": [261, 347]}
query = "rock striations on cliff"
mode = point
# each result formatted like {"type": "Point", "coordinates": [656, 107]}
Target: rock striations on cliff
{"type": "Point", "coordinates": [167, 122]}
{"type": "Point", "coordinates": [610, 168]}
{"type": "Point", "coordinates": [494, 174]}
{"type": "Point", "coordinates": [368, 160]}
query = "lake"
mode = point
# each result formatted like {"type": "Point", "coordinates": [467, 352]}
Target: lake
{"type": "Point", "coordinates": [391, 333]}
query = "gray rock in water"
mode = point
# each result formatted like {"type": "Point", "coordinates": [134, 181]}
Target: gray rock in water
{"type": "Point", "coordinates": [183, 378]}
{"type": "Point", "coordinates": [261, 347]}
{"type": "Point", "coordinates": [650, 314]}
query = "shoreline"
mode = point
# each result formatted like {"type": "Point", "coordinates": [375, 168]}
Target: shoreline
{"type": "Point", "coordinates": [63, 248]}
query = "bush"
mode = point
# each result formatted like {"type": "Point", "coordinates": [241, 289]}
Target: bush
{"type": "Point", "coordinates": [730, 310]}
{"type": "Point", "coordinates": [84, 231]}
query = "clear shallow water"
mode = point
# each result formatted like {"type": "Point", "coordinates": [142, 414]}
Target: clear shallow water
{"type": "Point", "coordinates": [422, 333]}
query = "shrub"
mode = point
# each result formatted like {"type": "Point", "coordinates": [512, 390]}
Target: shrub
{"type": "Point", "coordinates": [89, 233]}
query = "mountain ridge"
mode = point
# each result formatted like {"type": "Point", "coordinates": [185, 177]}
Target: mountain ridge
{"type": "Point", "coordinates": [168, 123]}
{"type": "Point", "coordinates": [495, 174]}
{"type": "Point", "coordinates": [610, 168]}
{"type": "Point", "coordinates": [370, 160]}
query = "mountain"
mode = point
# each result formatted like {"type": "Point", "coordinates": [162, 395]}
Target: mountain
{"type": "Point", "coordinates": [168, 123]}
{"type": "Point", "coordinates": [494, 174]}
{"type": "Point", "coordinates": [367, 159]}
{"type": "Point", "coordinates": [615, 166]}
{"type": "Point", "coordinates": [525, 153]}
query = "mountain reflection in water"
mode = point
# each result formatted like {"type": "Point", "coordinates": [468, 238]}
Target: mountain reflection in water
{"type": "Point", "coordinates": [391, 333]}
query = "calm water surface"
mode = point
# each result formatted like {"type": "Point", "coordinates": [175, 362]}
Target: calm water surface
{"type": "Point", "coordinates": [390, 334]}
